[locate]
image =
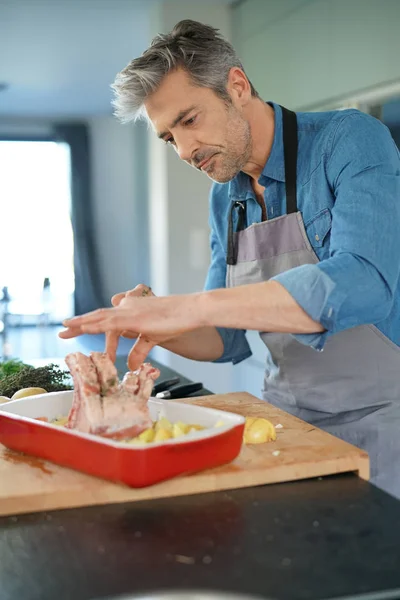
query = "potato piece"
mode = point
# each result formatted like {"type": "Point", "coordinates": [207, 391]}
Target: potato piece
{"type": "Point", "coordinates": [30, 391]}
{"type": "Point", "coordinates": [163, 423]}
{"type": "Point", "coordinates": [193, 427]}
{"type": "Point", "coordinates": [4, 399]}
{"type": "Point", "coordinates": [219, 424]}
{"type": "Point", "coordinates": [147, 435]}
{"type": "Point", "coordinates": [179, 429]}
{"type": "Point", "coordinates": [61, 422]}
{"type": "Point", "coordinates": [135, 440]}
{"type": "Point", "coordinates": [258, 431]}
{"type": "Point", "coordinates": [162, 435]}
{"type": "Point", "coordinates": [184, 426]}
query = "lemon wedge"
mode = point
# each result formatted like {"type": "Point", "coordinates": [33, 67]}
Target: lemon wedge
{"type": "Point", "coordinates": [258, 431]}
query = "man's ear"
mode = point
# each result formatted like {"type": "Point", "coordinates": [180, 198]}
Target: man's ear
{"type": "Point", "coordinates": [238, 87]}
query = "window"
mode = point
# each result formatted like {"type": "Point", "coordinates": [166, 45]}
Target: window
{"type": "Point", "coordinates": [36, 240]}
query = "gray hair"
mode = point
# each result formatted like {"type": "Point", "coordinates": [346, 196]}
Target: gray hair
{"type": "Point", "coordinates": [199, 49]}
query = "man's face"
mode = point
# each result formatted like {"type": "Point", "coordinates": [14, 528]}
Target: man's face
{"type": "Point", "coordinates": [206, 132]}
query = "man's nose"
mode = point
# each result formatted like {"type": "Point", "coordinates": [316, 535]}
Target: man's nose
{"type": "Point", "coordinates": [186, 148]}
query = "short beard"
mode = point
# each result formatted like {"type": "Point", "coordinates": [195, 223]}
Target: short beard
{"type": "Point", "coordinates": [239, 138]}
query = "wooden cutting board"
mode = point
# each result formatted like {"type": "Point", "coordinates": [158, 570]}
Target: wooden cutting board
{"type": "Point", "coordinates": [29, 484]}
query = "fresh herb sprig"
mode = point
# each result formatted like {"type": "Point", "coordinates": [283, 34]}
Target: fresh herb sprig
{"type": "Point", "coordinates": [50, 377]}
{"type": "Point", "coordinates": [11, 367]}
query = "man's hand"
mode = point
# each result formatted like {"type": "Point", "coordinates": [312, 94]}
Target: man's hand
{"type": "Point", "coordinates": [142, 345]}
{"type": "Point", "coordinates": [187, 324]}
{"type": "Point", "coordinates": [139, 314]}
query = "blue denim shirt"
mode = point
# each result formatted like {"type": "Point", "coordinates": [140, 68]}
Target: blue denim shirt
{"type": "Point", "coordinates": [348, 191]}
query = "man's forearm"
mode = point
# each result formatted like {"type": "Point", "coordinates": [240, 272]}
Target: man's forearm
{"type": "Point", "coordinates": [204, 344]}
{"type": "Point", "coordinates": [261, 306]}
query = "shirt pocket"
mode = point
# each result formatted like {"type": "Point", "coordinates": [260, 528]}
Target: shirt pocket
{"type": "Point", "coordinates": [318, 231]}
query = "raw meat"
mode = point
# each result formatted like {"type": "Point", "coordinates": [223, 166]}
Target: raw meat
{"type": "Point", "coordinates": [101, 404]}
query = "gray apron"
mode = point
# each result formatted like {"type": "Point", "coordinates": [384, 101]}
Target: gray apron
{"type": "Point", "coordinates": [352, 388]}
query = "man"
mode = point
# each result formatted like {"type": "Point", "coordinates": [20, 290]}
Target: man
{"type": "Point", "coordinates": [305, 215]}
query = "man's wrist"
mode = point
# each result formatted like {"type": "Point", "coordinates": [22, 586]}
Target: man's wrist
{"type": "Point", "coordinates": [204, 309]}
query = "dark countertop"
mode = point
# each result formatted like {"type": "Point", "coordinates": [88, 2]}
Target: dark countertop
{"type": "Point", "coordinates": [313, 539]}
{"type": "Point", "coordinates": [316, 539]}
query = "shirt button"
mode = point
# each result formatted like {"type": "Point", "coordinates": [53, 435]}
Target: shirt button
{"type": "Point", "coordinates": [317, 237]}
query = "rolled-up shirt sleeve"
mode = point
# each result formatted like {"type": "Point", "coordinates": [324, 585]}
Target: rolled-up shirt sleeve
{"type": "Point", "coordinates": [356, 284]}
{"type": "Point", "coordinates": [236, 346]}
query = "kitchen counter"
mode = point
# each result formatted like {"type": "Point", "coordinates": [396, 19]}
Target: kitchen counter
{"type": "Point", "coordinates": [315, 539]}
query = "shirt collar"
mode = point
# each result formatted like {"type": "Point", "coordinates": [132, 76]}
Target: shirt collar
{"type": "Point", "coordinates": [274, 168]}
{"type": "Point", "coordinates": [240, 187]}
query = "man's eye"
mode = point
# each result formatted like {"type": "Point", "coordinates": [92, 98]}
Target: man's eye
{"type": "Point", "coordinates": [190, 121]}
{"type": "Point", "coordinates": [169, 140]}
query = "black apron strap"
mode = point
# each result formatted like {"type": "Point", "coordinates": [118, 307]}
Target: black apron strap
{"type": "Point", "coordinates": [232, 249]}
{"type": "Point", "coordinates": [289, 125]}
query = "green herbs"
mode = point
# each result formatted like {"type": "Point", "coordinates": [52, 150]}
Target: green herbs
{"type": "Point", "coordinates": [10, 367]}
{"type": "Point", "coordinates": [50, 377]}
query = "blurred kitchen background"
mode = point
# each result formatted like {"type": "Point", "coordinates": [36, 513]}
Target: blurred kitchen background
{"type": "Point", "coordinates": [89, 207]}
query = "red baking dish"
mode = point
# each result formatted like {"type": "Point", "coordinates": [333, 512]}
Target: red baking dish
{"type": "Point", "coordinates": [136, 466]}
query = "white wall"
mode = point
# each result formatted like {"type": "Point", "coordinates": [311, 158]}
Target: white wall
{"type": "Point", "coordinates": [304, 53]}
{"type": "Point", "coordinates": [120, 202]}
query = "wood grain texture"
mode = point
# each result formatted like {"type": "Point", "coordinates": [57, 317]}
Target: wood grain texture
{"type": "Point", "coordinates": [29, 484]}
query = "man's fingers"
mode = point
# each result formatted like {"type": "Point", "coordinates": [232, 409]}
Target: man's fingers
{"type": "Point", "coordinates": [106, 320]}
{"type": "Point", "coordinates": [115, 300]}
{"type": "Point", "coordinates": [139, 290]}
{"type": "Point", "coordinates": [112, 339]}
{"type": "Point", "coordinates": [139, 352]}
{"type": "Point", "coordinates": [130, 335]}
{"type": "Point", "coordinates": [70, 332]}
{"type": "Point", "coordinates": [91, 317]}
